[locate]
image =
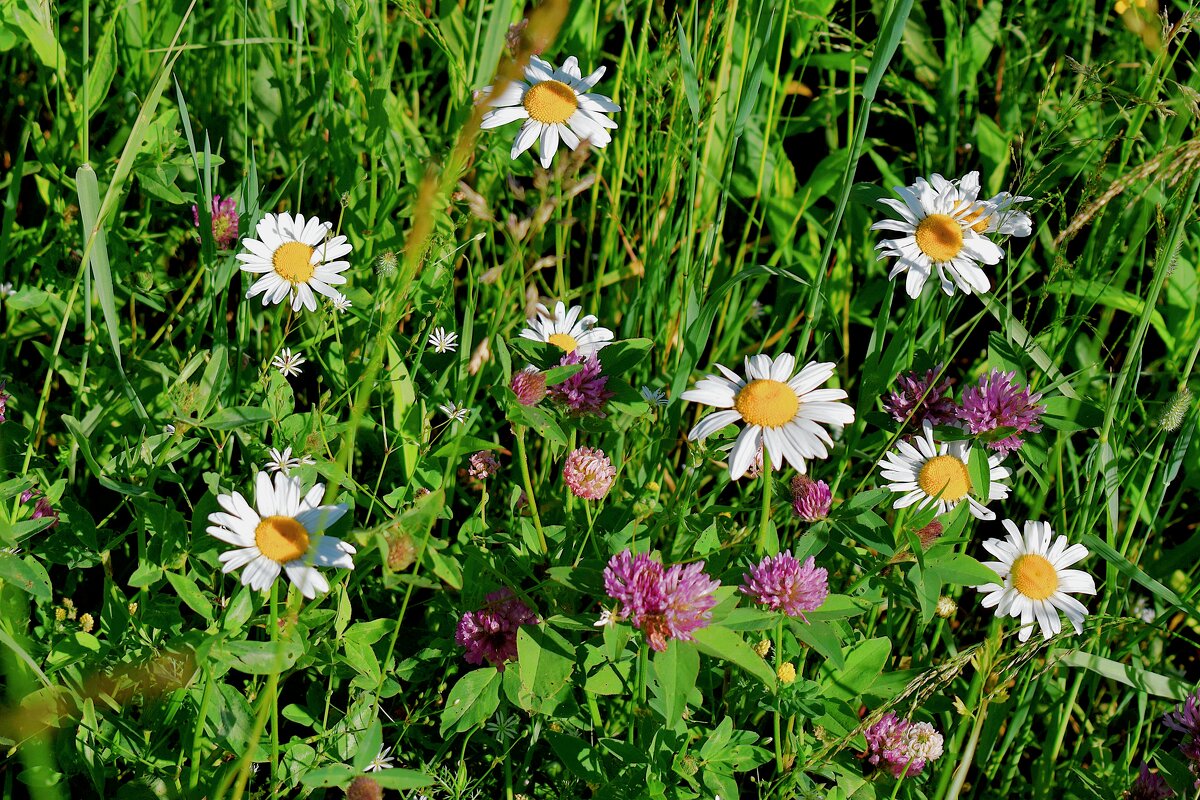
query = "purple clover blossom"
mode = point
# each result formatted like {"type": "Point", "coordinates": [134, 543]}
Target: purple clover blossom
{"type": "Point", "coordinates": [919, 398]}
{"type": "Point", "coordinates": [901, 747]}
{"type": "Point", "coordinates": [224, 220]}
{"type": "Point", "coordinates": [1185, 718]}
{"type": "Point", "coordinates": [1149, 786]}
{"type": "Point", "coordinates": [529, 386]}
{"type": "Point", "coordinates": [584, 392]}
{"type": "Point", "coordinates": [782, 583]}
{"type": "Point", "coordinates": [999, 402]}
{"type": "Point", "coordinates": [482, 465]}
{"type": "Point", "coordinates": [665, 603]}
{"type": "Point", "coordinates": [3, 400]}
{"type": "Point", "coordinates": [811, 500]}
{"type": "Point", "coordinates": [589, 473]}
{"type": "Point", "coordinates": [491, 632]}
{"type": "Point", "coordinates": [41, 506]}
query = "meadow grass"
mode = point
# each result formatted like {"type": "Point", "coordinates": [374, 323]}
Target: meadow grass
{"type": "Point", "coordinates": [729, 216]}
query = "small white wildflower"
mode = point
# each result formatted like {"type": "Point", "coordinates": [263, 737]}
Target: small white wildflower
{"type": "Point", "coordinates": [382, 761]}
{"type": "Point", "coordinates": [606, 619]}
{"type": "Point", "coordinates": [283, 462]}
{"type": "Point", "coordinates": [287, 362]}
{"type": "Point", "coordinates": [342, 303]}
{"type": "Point", "coordinates": [443, 341]}
{"type": "Point", "coordinates": [6, 289]}
{"type": "Point", "coordinates": [455, 412]}
{"type": "Point", "coordinates": [169, 429]}
{"type": "Point", "coordinates": [655, 397]}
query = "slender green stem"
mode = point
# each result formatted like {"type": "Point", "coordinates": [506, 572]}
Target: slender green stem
{"type": "Point", "coordinates": [523, 459]}
{"type": "Point", "coordinates": [198, 734]}
{"type": "Point", "coordinates": [764, 523]}
{"type": "Point", "coordinates": [968, 754]}
{"type": "Point", "coordinates": [779, 748]}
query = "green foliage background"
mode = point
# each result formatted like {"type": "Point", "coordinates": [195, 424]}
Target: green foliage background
{"type": "Point", "coordinates": [729, 216]}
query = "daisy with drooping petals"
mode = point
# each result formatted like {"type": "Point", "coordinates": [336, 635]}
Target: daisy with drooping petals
{"type": "Point", "coordinates": [556, 105]}
{"type": "Point", "coordinates": [785, 412]}
{"type": "Point", "coordinates": [926, 471]}
{"type": "Point", "coordinates": [284, 533]}
{"type": "Point", "coordinates": [997, 214]}
{"type": "Point", "coordinates": [936, 224]}
{"type": "Point", "coordinates": [295, 259]}
{"type": "Point", "coordinates": [1036, 579]}
{"type": "Point", "coordinates": [566, 330]}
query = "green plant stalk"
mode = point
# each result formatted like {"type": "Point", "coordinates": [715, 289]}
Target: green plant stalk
{"type": "Point", "coordinates": [779, 748]}
{"type": "Point", "coordinates": [968, 754]}
{"type": "Point", "coordinates": [198, 734]}
{"type": "Point", "coordinates": [765, 521]}
{"type": "Point", "coordinates": [523, 458]}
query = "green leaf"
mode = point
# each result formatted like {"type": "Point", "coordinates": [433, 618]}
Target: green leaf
{"type": "Point", "coordinates": [864, 662]}
{"type": "Point", "coordinates": [620, 357]}
{"type": "Point", "coordinates": [472, 701]}
{"type": "Point", "coordinates": [328, 777]}
{"type": "Point", "coordinates": [14, 571]}
{"type": "Point", "coordinates": [961, 570]}
{"type": "Point", "coordinates": [190, 593]}
{"type": "Point", "coordinates": [258, 658]}
{"type": "Point", "coordinates": [676, 669]}
{"type": "Point", "coordinates": [369, 745]}
{"type": "Point", "coordinates": [399, 778]}
{"type": "Point", "coordinates": [720, 642]}
{"type": "Point", "coordinates": [691, 85]}
{"type": "Point", "coordinates": [1069, 414]}
{"type": "Point", "coordinates": [1141, 679]}
{"type": "Point", "coordinates": [228, 419]}
{"type": "Point", "coordinates": [980, 472]}
{"type": "Point", "coordinates": [546, 661]}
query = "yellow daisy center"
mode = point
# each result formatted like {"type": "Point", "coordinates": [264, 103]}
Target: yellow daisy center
{"type": "Point", "coordinates": [550, 102]}
{"type": "Point", "coordinates": [940, 237]}
{"type": "Point", "coordinates": [292, 262]}
{"type": "Point", "coordinates": [976, 219]}
{"type": "Point", "coordinates": [1034, 576]}
{"type": "Point", "coordinates": [767, 403]}
{"type": "Point", "coordinates": [281, 539]}
{"type": "Point", "coordinates": [564, 341]}
{"type": "Point", "coordinates": [945, 475]}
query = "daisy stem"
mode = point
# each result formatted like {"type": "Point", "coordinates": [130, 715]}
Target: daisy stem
{"type": "Point", "coordinates": [766, 509]}
{"type": "Point", "coordinates": [524, 460]}
{"type": "Point", "coordinates": [273, 689]}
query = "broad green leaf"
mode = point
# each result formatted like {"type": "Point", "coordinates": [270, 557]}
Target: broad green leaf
{"type": "Point", "coordinates": [369, 744]}
{"type": "Point", "coordinates": [720, 642]}
{"type": "Point", "coordinates": [1129, 674]}
{"type": "Point", "coordinates": [190, 593]}
{"type": "Point", "coordinates": [864, 662]}
{"type": "Point", "coordinates": [472, 701]}
{"type": "Point", "coordinates": [228, 419]}
{"type": "Point", "coordinates": [676, 669]}
{"type": "Point", "coordinates": [258, 658]}
{"type": "Point", "coordinates": [546, 661]}
{"type": "Point", "coordinates": [961, 570]}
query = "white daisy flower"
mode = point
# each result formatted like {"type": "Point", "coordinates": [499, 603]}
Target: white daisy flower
{"type": "Point", "coordinates": [567, 330]}
{"type": "Point", "coordinates": [295, 259]}
{"type": "Point", "coordinates": [1036, 579]}
{"type": "Point", "coordinates": [287, 362]}
{"type": "Point", "coordinates": [382, 761]}
{"type": "Point", "coordinates": [284, 533]}
{"type": "Point", "coordinates": [341, 303]}
{"type": "Point", "coordinates": [655, 397]}
{"type": "Point", "coordinates": [932, 472]}
{"type": "Point", "coordinates": [443, 341]}
{"type": "Point", "coordinates": [455, 412]}
{"type": "Point", "coordinates": [782, 411]}
{"type": "Point", "coordinates": [556, 106]}
{"type": "Point", "coordinates": [936, 223]}
{"type": "Point", "coordinates": [995, 215]}
{"type": "Point", "coordinates": [283, 462]}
